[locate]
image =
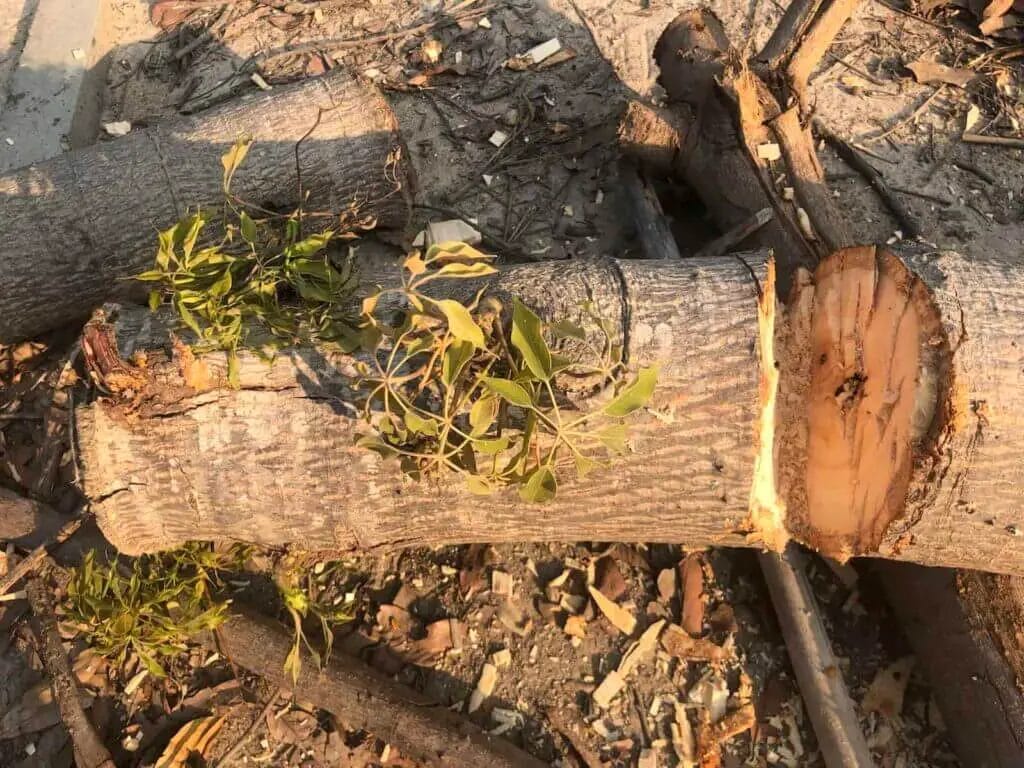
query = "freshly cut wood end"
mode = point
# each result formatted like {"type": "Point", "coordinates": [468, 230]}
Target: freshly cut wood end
{"type": "Point", "coordinates": [651, 136]}
{"type": "Point", "coordinates": [875, 359]}
{"type": "Point", "coordinates": [767, 510]}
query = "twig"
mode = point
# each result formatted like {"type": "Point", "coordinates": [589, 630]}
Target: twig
{"type": "Point", "coordinates": [904, 120]}
{"type": "Point", "coordinates": [236, 748]}
{"type": "Point", "coordinates": [89, 749]}
{"type": "Point", "coordinates": [298, 166]}
{"type": "Point", "coordinates": [828, 703]}
{"type": "Point", "coordinates": [923, 195]}
{"type": "Point", "coordinates": [863, 73]}
{"type": "Point", "coordinates": [737, 234]}
{"type": "Point", "coordinates": [971, 168]}
{"type": "Point", "coordinates": [998, 141]}
{"type": "Point", "coordinates": [219, 23]}
{"type": "Point", "coordinates": [37, 555]}
{"type": "Point", "coordinates": [856, 161]}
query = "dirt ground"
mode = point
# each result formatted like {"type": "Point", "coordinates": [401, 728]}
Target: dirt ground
{"type": "Point", "coordinates": [550, 191]}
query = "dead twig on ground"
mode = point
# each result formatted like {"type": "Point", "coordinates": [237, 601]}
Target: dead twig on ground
{"type": "Point", "coordinates": [237, 746]}
{"type": "Point", "coordinates": [90, 751]}
{"type": "Point", "coordinates": [908, 224]}
{"type": "Point", "coordinates": [908, 118]}
{"type": "Point", "coordinates": [38, 555]}
{"type": "Point", "coordinates": [971, 168]}
{"type": "Point", "coordinates": [996, 141]}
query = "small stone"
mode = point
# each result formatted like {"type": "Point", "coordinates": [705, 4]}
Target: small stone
{"type": "Point", "coordinates": [118, 128]}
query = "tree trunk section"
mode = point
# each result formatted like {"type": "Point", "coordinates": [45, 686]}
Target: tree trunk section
{"type": "Point", "coordinates": [274, 462]}
{"type": "Point", "coordinates": [75, 227]}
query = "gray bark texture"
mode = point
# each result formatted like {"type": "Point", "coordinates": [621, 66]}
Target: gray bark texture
{"type": "Point", "coordinates": [76, 227]}
{"type": "Point", "coordinates": [274, 462]}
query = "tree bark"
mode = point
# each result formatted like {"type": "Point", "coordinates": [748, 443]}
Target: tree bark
{"type": "Point", "coordinates": [965, 629]}
{"type": "Point", "coordinates": [274, 462]}
{"type": "Point", "coordinates": [74, 228]}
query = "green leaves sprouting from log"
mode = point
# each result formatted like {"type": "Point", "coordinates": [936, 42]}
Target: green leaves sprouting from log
{"type": "Point", "coordinates": [259, 282]}
{"type": "Point", "coordinates": [447, 388]}
{"type": "Point", "coordinates": [449, 391]}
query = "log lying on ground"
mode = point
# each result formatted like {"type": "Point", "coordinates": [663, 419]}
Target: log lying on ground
{"type": "Point", "coordinates": [74, 227]}
{"type": "Point", "coordinates": [880, 414]}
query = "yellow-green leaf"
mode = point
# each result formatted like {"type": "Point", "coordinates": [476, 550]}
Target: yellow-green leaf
{"type": "Point", "coordinates": [453, 250]}
{"type": "Point", "coordinates": [636, 395]}
{"type": "Point", "coordinates": [566, 329]}
{"type": "Point", "coordinates": [483, 413]}
{"type": "Point", "coordinates": [584, 465]}
{"type": "Point", "coordinates": [509, 391]}
{"type": "Point", "coordinates": [248, 228]}
{"type": "Point", "coordinates": [414, 264]}
{"type": "Point", "coordinates": [233, 158]}
{"type": "Point", "coordinates": [456, 269]}
{"type": "Point", "coordinates": [491, 446]}
{"type": "Point", "coordinates": [455, 359]}
{"type": "Point", "coordinates": [419, 425]}
{"type": "Point", "coordinates": [460, 322]}
{"type": "Point", "coordinates": [540, 486]}
{"type": "Point", "coordinates": [529, 340]}
{"type": "Point", "coordinates": [613, 437]}
{"type": "Point", "coordinates": [478, 485]}
{"type": "Point", "coordinates": [154, 300]}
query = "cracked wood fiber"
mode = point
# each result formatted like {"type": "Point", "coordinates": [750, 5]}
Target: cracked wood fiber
{"type": "Point", "coordinates": [274, 462]}
{"type": "Point", "coordinates": [75, 226]}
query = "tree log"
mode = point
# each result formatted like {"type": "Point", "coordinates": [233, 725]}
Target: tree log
{"type": "Point", "coordinates": [76, 226]}
{"type": "Point", "coordinates": [275, 462]}
{"type": "Point", "coordinates": [878, 415]}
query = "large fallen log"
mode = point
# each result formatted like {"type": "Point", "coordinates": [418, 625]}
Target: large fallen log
{"type": "Point", "coordinates": [75, 227]}
{"type": "Point", "coordinates": [880, 415]}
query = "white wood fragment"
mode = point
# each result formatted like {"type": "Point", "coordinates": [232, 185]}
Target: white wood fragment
{"type": "Point", "coordinates": [608, 689]}
{"type": "Point", "coordinates": [117, 128]}
{"type": "Point", "coordinates": [260, 83]}
{"type": "Point", "coordinates": [788, 193]}
{"type": "Point", "coordinates": [488, 179]}
{"type": "Point", "coordinates": [498, 138]}
{"type": "Point", "coordinates": [452, 230]}
{"type": "Point", "coordinates": [641, 649]}
{"type": "Point", "coordinates": [502, 658]}
{"type": "Point", "coordinates": [648, 759]}
{"type": "Point", "coordinates": [420, 240]}
{"type": "Point", "coordinates": [620, 618]}
{"type": "Point", "coordinates": [78, 54]}
{"type": "Point", "coordinates": [538, 53]}
{"type": "Point", "coordinates": [484, 687]}
{"type": "Point", "coordinates": [501, 583]}
{"type": "Point", "coordinates": [769, 152]}
{"type": "Point", "coordinates": [805, 224]}
{"type": "Point", "coordinates": [484, 22]}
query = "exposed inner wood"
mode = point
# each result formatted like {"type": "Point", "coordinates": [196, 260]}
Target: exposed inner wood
{"type": "Point", "coordinates": [870, 400]}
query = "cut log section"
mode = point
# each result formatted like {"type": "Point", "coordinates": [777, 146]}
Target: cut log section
{"type": "Point", "coordinates": [74, 228]}
{"type": "Point", "coordinates": [879, 414]}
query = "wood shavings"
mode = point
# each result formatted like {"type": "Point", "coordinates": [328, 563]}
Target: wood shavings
{"type": "Point", "coordinates": [641, 649]}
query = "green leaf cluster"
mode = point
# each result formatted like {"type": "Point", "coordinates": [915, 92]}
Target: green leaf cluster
{"type": "Point", "coordinates": [449, 389]}
{"type": "Point", "coordinates": [149, 606]}
{"type": "Point", "coordinates": [247, 276]}
{"type": "Point", "coordinates": [303, 598]}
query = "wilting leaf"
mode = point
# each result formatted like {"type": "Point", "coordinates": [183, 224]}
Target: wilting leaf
{"type": "Point", "coordinates": [635, 395]}
{"type": "Point", "coordinates": [479, 486]}
{"type": "Point", "coordinates": [193, 738]}
{"type": "Point", "coordinates": [492, 446]}
{"type": "Point", "coordinates": [456, 269]}
{"type": "Point", "coordinates": [453, 250]}
{"type": "Point", "coordinates": [414, 264]}
{"type": "Point", "coordinates": [233, 158]}
{"type": "Point", "coordinates": [528, 339]}
{"type": "Point", "coordinates": [540, 486]}
{"type": "Point", "coordinates": [460, 322]}
{"type": "Point", "coordinates": [509, 390]}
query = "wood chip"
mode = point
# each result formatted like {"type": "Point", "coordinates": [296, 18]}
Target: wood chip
{"type": "Point", "coordinates": [694, 597]}
{"type": "Point", "coordinates": [648, 759]}
{"type": "Point", "coordinates": [501, 583]}
{"type": "Point", "coordinates": [641, 649]}
{"type": "Point", "coordinates": [667, 584]}
{"type": "Point", "coordinates": [538, 53]}
{"type": "Point", "coordinates": [933, 73]}
{"type": "Point", "coordinates": [620, 618]}
{"type": "Point", "coordinates": [608, 689]}
{"type": "Point", "coordinates": [484, 687]}
{"type": "Point", "coordinates": [680, 644]}
{"type": "Point", "coordinates": [576, 626]}
{"type": "Point", "coordinates": [683, 742]}
{"type": "Point", "coordinates": [607, 576]}
{"type": "Point", "coordinates": [502, 658]}
{"type": "Point", "coordinates": [514, 618]}
{"type": "Point", "coordinates": [886, 692]}
{"type": "Point", "coordinates": [498, 138]}
{"type": "Point", "coordinates": [769, 152]}
{"type": "Point", "coordinates": [713, 736]}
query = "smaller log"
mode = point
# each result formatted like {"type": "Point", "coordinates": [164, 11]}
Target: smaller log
{"type": "Point", "coordinates": [652, 228]}
{"type": "Point", "coordinates": [964, 630]}
{"type": "Point", "coordinates": [653, 136]}
{"type": "Point", "coordinates": [826, 700]}
{"type": "Point", "coordinates": [75, 228]}
{"type": "Point", "coordinates": [364, 699]}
